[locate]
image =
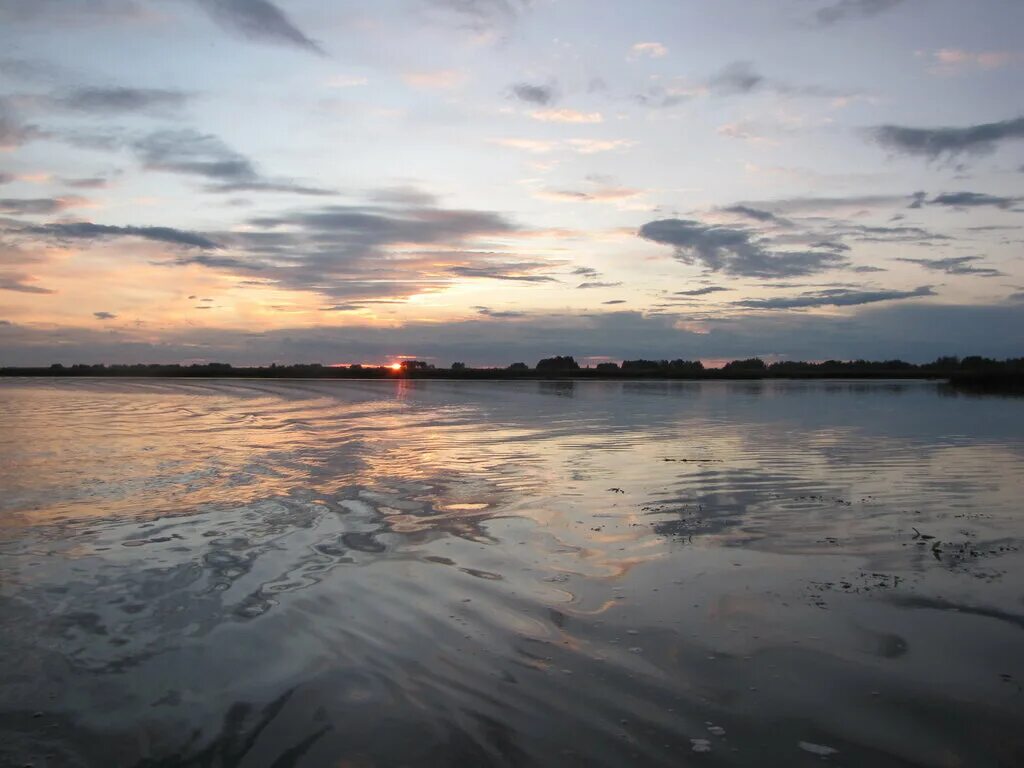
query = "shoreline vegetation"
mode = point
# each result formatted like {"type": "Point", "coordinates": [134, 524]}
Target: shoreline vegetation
{"type": "Point", "coordinates": [978, 373]}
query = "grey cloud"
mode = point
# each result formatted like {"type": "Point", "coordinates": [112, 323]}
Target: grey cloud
{"type": "Point", "coordinates": [94, 182]}
{"type": "Point", "coordinates": [499, 314]}
{"type": "Point", "coordinates": [883, 330]}
{"type": "Point", "coordinates": [402, 196]}
{"type": "Point", "coordinates": [20, 283]}
{"type": "Point", "coordinates": [867, 269]}
{"type": "Point", "coordinates": [62, 10]}
{"type": "Point", "coordinates": [586, 272]}
{"type": "Point", "coordinates": [973, 200]}
{"type": "Point", "coordinates": [88, 231]}
{"type": "Point", "coordinates": [757, 214]}
{"type": "Point", "coordinates": [6, 178]}
{"type": "Point", "coordinates": [598, 285]}
{"type": "Point", "coordinates": [956, 265]}
{"type": "Point", "coordinates": [37, 206]}
{"type": "Point", "coordinates": [342, 308]}
{"type": "Point", "coordinates": [737, 77]}
{"type": "Point", "coordinates": [934, 143]}
{"type": "Point", "coordinates": [258, 20]}
{"type": "Point", "coordinates": [534, 94]}
{"type": "Point", "coordinates": [702, 291]}
{"type": "Point", "coordinates": [218, 262]}
{"type": "Point", "coordinates": [615, 301]}
{"type": "Point", "coordinates": [104, 315]}
{"type": "Point", "coordinates": [805, 205]}
{"type": "Point", "coordinates": [735, 251]}
{"type": "Point", "coordinates": [272, 186]}
{"type": "Point", "coordinates": [355, 254]}
{"type": "Point", "coordinates": [853, 9]}
{"type": "Point", "coordinates": [13, 132]}
{"type": "Point", "coordinates": [481, 14]}
{"type": "Point", "coordinates": [834, 297]}
{"type": "Point", "coordinates": [498, 274]}
{"type": "Point", "coordinates": [903, 234]}
{"type": "Point", "coordinates": [191, 153]}
{"type": "Point", "coordinates": [105, 101]}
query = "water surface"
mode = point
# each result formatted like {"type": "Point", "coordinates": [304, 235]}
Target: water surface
{"type": "Point", "coordinates": [318, 573]}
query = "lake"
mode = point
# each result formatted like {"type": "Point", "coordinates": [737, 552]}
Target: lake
{"type": "Point", "coordinates": [403, 573]}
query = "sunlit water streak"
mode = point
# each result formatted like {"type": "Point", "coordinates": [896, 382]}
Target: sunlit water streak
{"type": "Point", "coordinates": [249, 573]}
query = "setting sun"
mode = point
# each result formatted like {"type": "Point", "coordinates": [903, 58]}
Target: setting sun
{"type": "Point", "coordinates": [395, 366]}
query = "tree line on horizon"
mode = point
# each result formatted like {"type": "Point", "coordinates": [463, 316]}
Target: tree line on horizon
{"type": "Point", "coordinates": [976, 369]}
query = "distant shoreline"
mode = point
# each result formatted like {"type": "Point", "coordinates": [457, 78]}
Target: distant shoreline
{"type": "Point", "coordinates": [976, 373]}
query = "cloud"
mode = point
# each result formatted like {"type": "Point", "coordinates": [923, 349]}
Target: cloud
{"type": "Point", "coordinates": [757, 215]}
{"type": "Point", "coordinates": [62, 10]}
{"type": "Point", "coordinates": [499, 314]}
{"type": "Point", "coordinates": [952, 60]}
{"type": "Point", "coordinates": [393, 248]}
{"type": "Point", "coordinates": [191, 153]}
{"type": "Point", "coordinates": [534, 94]}
{"type": "Point", "coordinates": [586, 272]}
{"type": "Point", "coordinates": [13, 132]}
{"type": "Point", "coordinates": [594, 146]}
{"type": "Point", "coordinates": [6, 178]}
{"type": "Point", "coordinates": [439, 79]}
{"type": "Point", "coordinates": [91, 182]}
{"type": "Point", "coordinates": [88, 231]}
{"type": "Point", "coordinates": [650, 50]}
{"type": "Point", "coordinates": [833, 297]}
{"type": "Point", "coordinates": [955, 265]}
{"type": "Point", "coordinates": [104, 315]}
{"type": "Point", "coordinates": [38, 206]}
{"type": "Point", "coordinates": [934, 143]}
{"type": "Point", "coordinates": [580, 146]}
{"type": "Point", "coordinates": [973, 200]}
{"type": "Point", "coordinates": [846, 10]}
{"type": "Point", "coordinates": [614, 301]}
{"type": "Point", "coordinates": [259, 20]}
{"type": "Point", "coordinates": [566, 116]}
{"type": "Point", "coordinates": [105, 101]}
{"type": "Point", "coordinates": [598, 285]}
{"type": "Point", "coordinates": [879, 331]}
{"type": "Point", "coordinates": [735, 251]}
{"type": "Point", "coordinates": [482, 15]}
{"type": "Point", "coordinates": [499, 272]}
{"type": "Point", "coordinates": [702, 291]}
{"type": "Point", "coordinates": [738, 77]}
{"type": "Point", "coordinates": [597, 195]}
{"type": "Point", "coordinates": [852, 204]}
{"type": "Point", "coordinates": [20, 283]}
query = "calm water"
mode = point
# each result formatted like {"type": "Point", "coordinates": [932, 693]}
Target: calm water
{"type": "Point", "coordinates": [271, 574]}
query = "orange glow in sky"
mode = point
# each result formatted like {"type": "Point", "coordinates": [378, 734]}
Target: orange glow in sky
{"type": "Point", "coordinates": [395, 366]}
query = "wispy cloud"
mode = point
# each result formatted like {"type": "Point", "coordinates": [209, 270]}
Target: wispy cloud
{"type": "Point", "coordinates": [735, 251]}
{"type": "Point", "coordinates": [438, 79]}
{"type": "Point", "coordinates": [259, 20]}
{"type": "Point", "coordinates": [848, 10]}
{"type": "Point", "coordinates": [949, 61]}
{"type": "Point", "coordinates": [534, 94]}
{"type": "Point", "coordinates": [40, 205]}
{"type": "Point", "coordinates": [936, 143]}
{"type": "Point", "coordinates": [88, 231]}
{"type": "Point", "coordinates": [106, 101]}
{"type": "Point", "coordinates": [566, 116]}
{"type": "Point", "coordinates": [956, 265]}
{"type": "Point", "coordinates": [650, 50]}
{"type": "Point", "coordinates": [833, 297]}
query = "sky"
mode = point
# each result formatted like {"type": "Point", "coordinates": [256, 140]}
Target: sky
{"type": "Point", "coordinates": [493, 181]}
